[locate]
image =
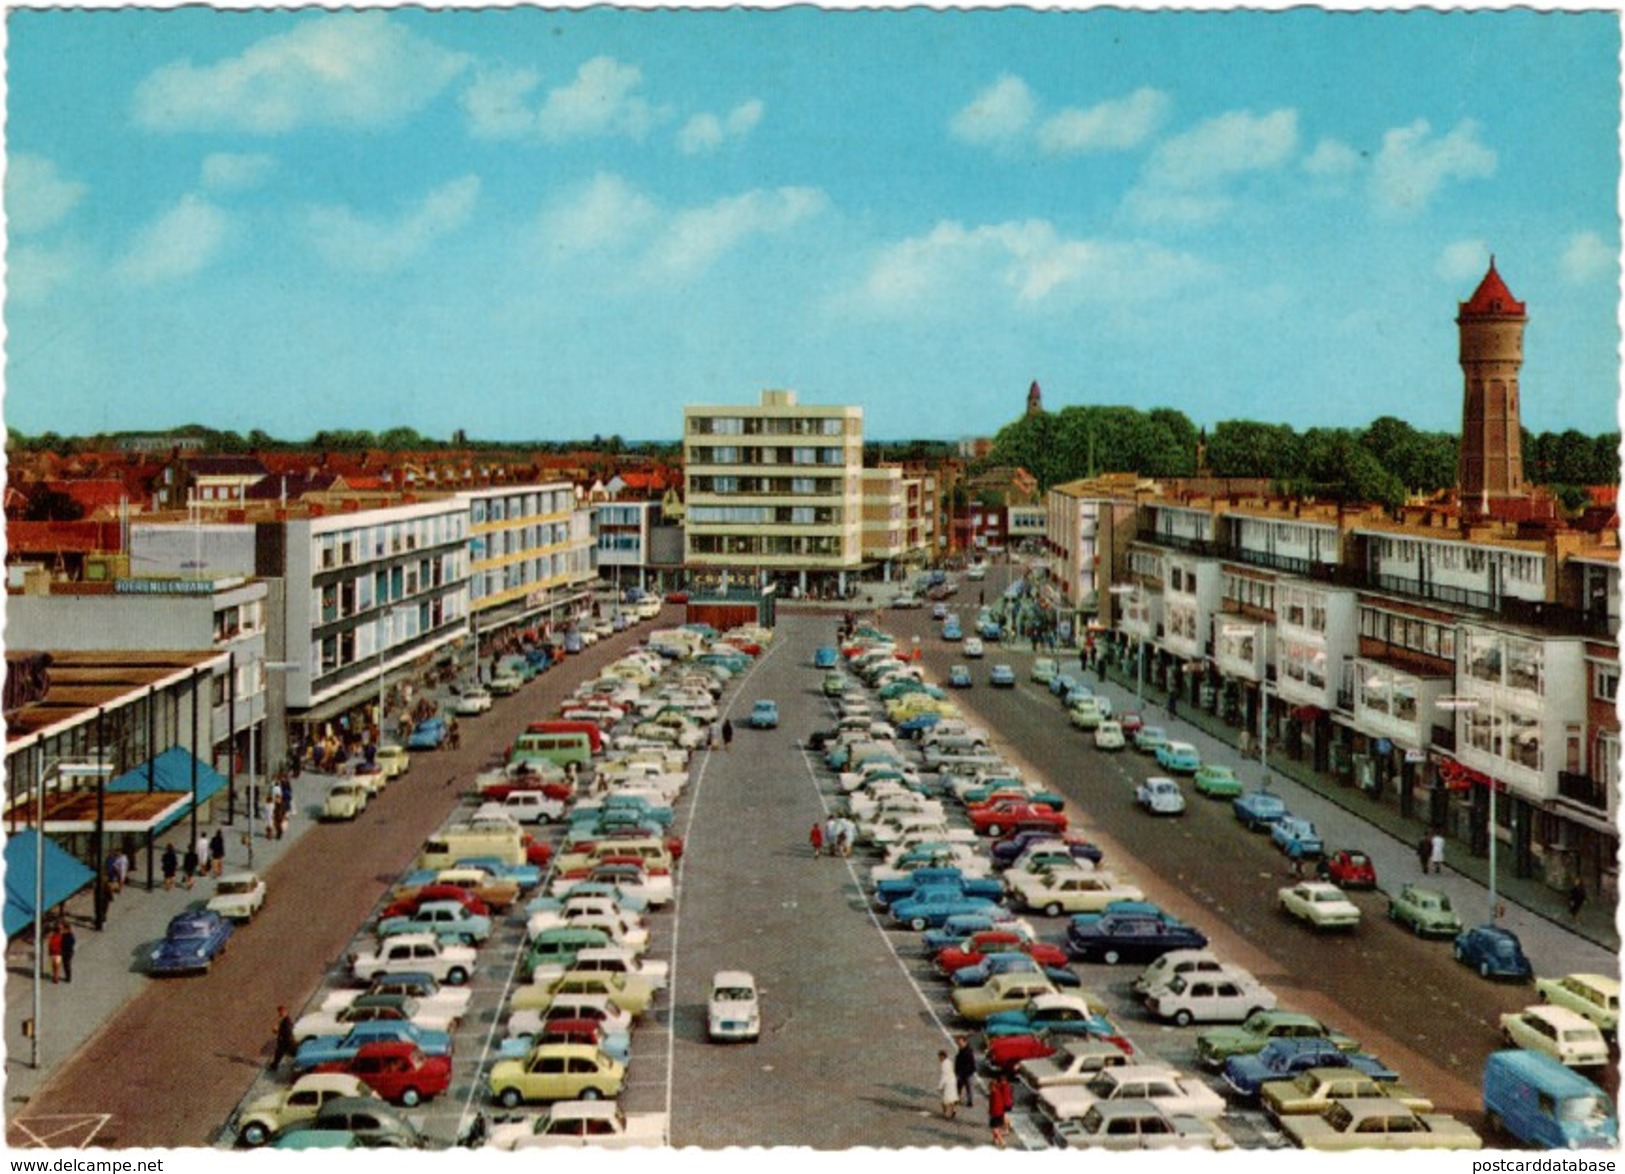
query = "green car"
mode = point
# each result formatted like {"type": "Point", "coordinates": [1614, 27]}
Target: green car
{"type": "Point", "coordinates": [834, 684]}
{"type": "Point", "coordinates": [1215, 1046]}
{"type": "Point", "coordinates": [1426, 911]}
{"type": "Point", "coordinates": [1217, 782]}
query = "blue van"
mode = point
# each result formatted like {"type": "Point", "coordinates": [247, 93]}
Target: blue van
{"type": "Point", "coordinates": [1541, 1102]}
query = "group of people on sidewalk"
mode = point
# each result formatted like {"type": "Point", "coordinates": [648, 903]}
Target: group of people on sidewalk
{"type": "Point", "coordinates": [836, 835]}
{"type": "Point", "coordinates": [205, 857]}
{"type": "Point", "coordinates": [956, 1081]}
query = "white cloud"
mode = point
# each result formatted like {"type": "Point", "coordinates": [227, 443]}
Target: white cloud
{"type": "Point", "coordinates": [347, 70]}
{"type": "Point", "coordinates": [37, 195]}
{"type": "Point", "coordinates": [704, 133]}
{"type": "Point", "coordinates": [1463, 262]}
{"type": "Point", "coordinates": [600, 101]}
{"type": "Point", "coordinates": [1115, 125]}
{"type": "Point", "coordinates": [181, 242]}
{"type": "Point", "coordinates": [1586, 258]}
{"type": "Point", "coordinates": [1331, 158]}
{"type": "Point", "coordinates": [351, 241]}
{"type": "Point", "coordinates": [1413, 165]}
{"type": "Point", "coordinates": [496, 103]}
{"type": "Point", "coordinates": [695, 238]}
{"type": "Point", "coordinates": [997, 115]}
{"type": "Point", "coordinates": [607, 213]}
{"type": "Point", "coordinates": [236, 173]}
{"type": "Point", "coordinates": [1223, 147]}
{"type": "Point", "coordinates": [1034, 265]}
{"type": "Point", "coordinates": [33, 272]}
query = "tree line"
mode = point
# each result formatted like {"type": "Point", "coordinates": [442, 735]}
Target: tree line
{"type": "Point", "coordinates": [1383, 463]}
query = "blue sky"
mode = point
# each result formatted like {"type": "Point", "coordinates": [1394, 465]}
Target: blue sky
{"type": "Point", "coordinates": [555, 224]}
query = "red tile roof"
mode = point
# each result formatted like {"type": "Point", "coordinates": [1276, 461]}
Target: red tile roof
{"type": "Point", "coordinates": [1492, 299]}
{"type": "Point", "coordinates": [51, 537]}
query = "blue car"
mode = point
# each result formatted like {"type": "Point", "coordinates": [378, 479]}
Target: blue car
{"type": "Point", "coordinates": [960, 926]}
{"type": "Point", "coordinates": [1180, 757]}
{"type": "Point", "coordinates": [1126, 908]}
{"type": "Point", "coordinates": [325, 1048]}
{"type": "Point", "coordinates": [192, 941]}
{"type": "Point", "coordinates": [951, 629]}
{"type": "Point", "coordinates": [1056, 1019]}
{"type": "Point", "coordinates": [617, 1045]}
{"type": "Point", "coordinates": [959, 677]}
{"type": "Point", "coordinates": [1258, 809]}
{"type": "Point", "coordinates": [1002, 675]}
{"type": "Point", "coordinates": [1130, 937]}
{"type": "Point", "coordinates": [1005, 851]}
{"type": "Point", "coordinates": [1282, 1059]}
{"type": "Point", "coordinates": [764, 715]}
{"type": "Point", "coordinates": [894, 889]}
{"type": "Point", "coordinates": [628, 901]}
{"type": "Point", "coordinates": [919, 722]}
{"type": "Point", "coordinates": [450, 921]}
{"type": "Point", "coordinates": [989, 630]}
{"type": "Point", "coordinates": [1296, 837]}
{"type": "Point", "coordinates": [428, 734]}
{"type": "Point", "coordinates": [827, 657]}
{"type": "Point", "coordinates": [1063, 683]}
{"type": "Point", "coordinates": [526, 876]}
{"type": "Point", "coordinates": [930, 907]}
{"type": "Point", "coordinates": [1008, 961]}
{"type": "Point", "coordinates": [1493, 952]}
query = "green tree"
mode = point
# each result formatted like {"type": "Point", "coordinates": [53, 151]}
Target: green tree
{"type": "Point", "coordinates": [1248, 448]}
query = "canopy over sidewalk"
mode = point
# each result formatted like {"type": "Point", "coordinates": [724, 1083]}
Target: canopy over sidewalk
{"type": "Point", "coordinates": [64, 876]}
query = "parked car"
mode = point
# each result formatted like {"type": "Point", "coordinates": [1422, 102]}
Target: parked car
{"type": "Point", "coordinates": [397, 1071]}
{"type": "Point", "coordinates": [951, 629]}
{"type": "Point", "coordinates": [826, 656]}
{"type": "Point", "coordinates": [1257, 810]}
{"type": "Point", "coordinates": [1075, 1061]}
{"type": "Point", "coordinates": [504, 682]}
{"type": "Point", "coordinates": [593, 1124]}
{"type": "Point", "coordinates": [1045, 669]}
{"type": "Point", "coordinates": [393, 760]}
{"type": "Point", "coordinates": [1002, 992]}
{"type": "Point", "coordinates": [1000, 675]}
{"type": "Point", "coordinates": [375, 1007]}
{"type": "Point", "coordinates": [1180, 757]}
{"type": "Point", "coordinates": [192, 941]}
{"type": "Point", "coordinates": [1540, 1102]}
{"type": "Point", "coordinates": [371, 1122]}
{"type": "Point", "coordinates": [932, 907]}
{"type": "Point", "coordinates": [1596, 996]}
{"type": "Point", "coordinates": [1320, 904]}
{"type": "Point", "coordinates": [556, 1072]}
{"type": "Point", "coordinates": [1493, 952]}
{"type": "Point", "coordinates": [1230, 997]}
{"type": "Point", "coordinates": [1566, 1036]}
{"type": "Point", "coordinates": [1007, 850]}
{"type": "Point", "coordinates": [1427, 911]}
{"type": "Point", "coordinates": [1349, 869]}
{"type": "Point", "coordinates": [238, 896]}
{"type": "Point", "coordinates": [472, 702]}
{"type": "Point", "coordinates": [417, 952]}
{"type": "Point", "coordinates": [1246, 1073]}
{"type": "Point", "coordinates": [1160, 796]}
{"type": "Point", "coordinates": [1109, 736]}
{"type": "Point", "coordinates": [1148, 738]}
{"type": "Point", "coordinates": [734, 1010]}
{"type": "Point", "coordinates": [1296, 837]}
{"type": "Point", "coordinates": [450, 921]}
{"type": "Point", "coordinates": [1139, 1125]}
{"type": "Point", "coordinates": [1164, 969]}
{"type": "Point", "coordinates": [1166, 1087]}
{"type": "Point", "coordinates": [266, 1116]}
{"type": "Point", "coordinates": [345, 799]}
{"type": "Point", "coordinates": [1313, 1089]}
{"type": "Point", "coordinates": [1073, 891]}
{"type": "Point", "coordinates": [1218, 1044]}
{"type": "Point", "coordinates": [1056, 1014]}
{"type": "Point", "coordinates": [326, 1049]}
{"type": "Point", "coordinates": [1216, 781]}
{"type": "Point", "coordinates": [764, 715]}
{"type": "Point", "coordinates": [1129, 937]}
{"type": "Point", "coordinates": [428, 734]}
{"type": "Point", "coordinates": [1377, 1123]}
{"type": "Point", "coordinates": [1008, 815]}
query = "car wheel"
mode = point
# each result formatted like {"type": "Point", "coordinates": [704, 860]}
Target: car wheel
{"type": "Point", "coordinates": [456, 976]}
{"type": "Point", "coordinates": [1492, 1121]}
{"type": "Point", "coordinates": [591, 1094]}
{"type": "Point", "coordinates": [1182, 1018]}
{"type": "Point", "coordinates": [255, 1133]}
{"type": "Point", "coordinates": [994, 830]}
{"type": "Point", "coordinates": [509, 1098]}
{"type": "Point", "coordinates": [1460, 955]}
{"type": "Point", "coordinates": [1110, 957]}
{"type": "Point", "coordinates": [917, 924]}
{"type": "Point", "coordinates": [411, 1098]}
{"type": "Point", "coordinates": [1483, 970]}
{"type": "Point", "coordinates": [1053, 909]}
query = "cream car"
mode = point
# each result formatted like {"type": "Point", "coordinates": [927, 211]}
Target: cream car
{"type": "Point", "coordinates": [1072, 891]}
{"type": "Point", "coordinates": [1566, 1036]}
{"type": "Point", "coordinates": [278, 1110]}
{"type": "Point", "coordinates": [345, 800]}
{"type": "Point", "coordinates": [1320, 904]}
{"type": "Point", "coordinates": [238, 895]}
{"type": "Point", "coordinates": [1596, 996]}
{"type": "Point", "coordinates": [394, 761]}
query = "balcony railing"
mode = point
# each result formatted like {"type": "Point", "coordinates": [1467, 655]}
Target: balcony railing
{"type": "Point", "coordinates": [1582, 789]}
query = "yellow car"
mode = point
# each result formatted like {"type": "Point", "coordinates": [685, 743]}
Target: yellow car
{"type": "Point", "coordinates": [1002, 992]}
{"type": "Point", "coordinates": [557, 1072]}
{"type": "Point", "coordinates": [1566, 1036]}
{"type": "Point", "coordinates": [630, 993]}
{"type": "Point", "coordinates": [394, 761]}
{"type": "Point", "coordinates": [1596, 996]}
{"type": "Point", "coordinates": [1313, 1089]}
{"type": "Point", "coordinates": [1372, 1123]}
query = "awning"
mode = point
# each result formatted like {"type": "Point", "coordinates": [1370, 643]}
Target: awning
{"type": "Point", "coordinates": [64, 876]}
{"type": "Point", "coordinates": [1306, 713]}
{"type": "Point", "coordinates": [1457, 777]}
{"type": "Point", "coordinates": [171, 774]}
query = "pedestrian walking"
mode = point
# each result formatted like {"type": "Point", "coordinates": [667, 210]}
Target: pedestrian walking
{"type": "Point", "coordinates": [53, 950]}
{"type": "Point", "coordinates": [286, 1045]}
{"type": "Point", "coordinates": [1173, 702]}
{"type": "Point", "coordinates": [217, 850]}
{"type": "Point", "coordinates": [190, 864]}
{"type": "Point", "coordinates": [848, 834]}
{"type": "Point", "coordinates": [1436, 852]}
{"type": "Point", "coordinates": [832, 832]}
{"type": "Point", "coordinates": [1244, 744]}
{"type": "Point", "coordinates": [68, 945]}
{"type": "Point", "coordinates": [454, 734]}
{"type": "Point", "coordinates": [964, 1069]}
{"type": "Point", "coordinates": [205, 855]}
{"type": "Point", "coordinates": [727, 733]}
{"type": "Point", "coordinates": [170, 864]}
{"type": "Point", "coordinates": [1000, 1100]}
{"type": "Point", "coordinates": [947, 1086]}
{"type": "Point", "coordinates": [283, 811]}
{"type": "Point", "coordinates": [1577, 898]}
{"type": "Point", "coordinates": [118, 867]}
{"type": "Point", "coordinates": [816, 838]}
{"type": "Point", "coordinates": [716, 735]}
{"type": "Point", "coordinates": [268, 815]}
{"type": "Point", "coordinates": [1423, 849]}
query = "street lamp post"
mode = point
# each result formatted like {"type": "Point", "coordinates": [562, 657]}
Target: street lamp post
{"type": "Point", "coordinates": [267, 666]}
{"type": "Point", "coordinates": [1458, 704]}
{"type": "Point", "coordinates": [57, 770]}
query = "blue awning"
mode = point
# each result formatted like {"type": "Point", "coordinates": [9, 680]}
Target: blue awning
{"type": "Point", "coordinates": [64, 876]}
{"type": "Point", "coordinates": [172, 773]}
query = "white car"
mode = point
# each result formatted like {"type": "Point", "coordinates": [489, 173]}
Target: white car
{"type": "Point", "coordinates": [338, 1019]}
{"type": "Point", "coordinates": [415, 953]}
{"type": "Point", "coordinates": [1160, 796]}
{"type": "Point", "coordinates": [238, 896]}
{"type": "Point", "coordinates": [609, 960]}
{"type": "Point", "coordinates": [1162, 970]}
{"type": "Point", "coordinates": [1566, 1036]}
{"type": "Point", "coordinates": [1072, 891]}
{"type": "Point", "coordinates": [734, 1011]}
{"type": "Point", "coordinates": [1077, 1061]}
{"type": "Point", "coordinates": [505, 683]}
{"type": "Point", "coordinates": [1229, 997]}
{"type": "Point", "coordinates": [599, 1124]}
{"type": "Point", "coordinates": [611, 1020]}
{"type": "Point", "coordinates": [1167, 1088]}
{"type": "Point", "coordinates": [972, 646]}
{"type": "Point", "coordinates": [1321, 904]}
{"type": "Point", "coordinates": [1109, 736]}
{"type": "Point", "coordinates": [471, 702]}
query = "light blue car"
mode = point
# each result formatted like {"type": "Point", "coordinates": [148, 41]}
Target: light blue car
{"type": "Point", "coordinates": [1002, 675]}
{"type": "Point", "coordinates": [932, 907]}
{"type": "Point", "coordinates": [1296, 837]}
{"type": "Point", "coordinates": [1256, 810]}
{"type": "Point", "coordinates": [324, 1049]}
{"type": "Point", "coordinates": [951, 629]}
{"type": "Point", "coordinates": [1178, 756]}
{"type": "Point", "coordinates": [450, 921]}
{"type": "Point", "coordinates": [764, 715]}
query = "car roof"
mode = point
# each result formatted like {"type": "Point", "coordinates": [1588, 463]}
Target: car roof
{"type": "Point", "coordinates": [733, 978]}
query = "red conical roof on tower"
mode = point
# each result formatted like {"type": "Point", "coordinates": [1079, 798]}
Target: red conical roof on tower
{"type": "Point", "coordinates": [1492, 298]}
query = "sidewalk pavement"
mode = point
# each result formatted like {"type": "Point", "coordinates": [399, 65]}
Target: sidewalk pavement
{"type": "Point", "coordinates": [109, 966]}
{"type": "Point", "coordinates": [1347, 808]}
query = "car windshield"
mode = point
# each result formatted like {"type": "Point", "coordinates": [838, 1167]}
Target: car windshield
{"type": "Point", "coordinates": [1591, 1110]}
{"type": "Point", "coordinates": [1502, 948]}
{"type": "Point", "coordinates": [734, 994]}
{"type": "Point", "coordinates": [229, 887]}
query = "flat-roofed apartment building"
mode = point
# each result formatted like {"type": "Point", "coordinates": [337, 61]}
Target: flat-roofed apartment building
{"type": "Point", "coordinates": [774, 489]}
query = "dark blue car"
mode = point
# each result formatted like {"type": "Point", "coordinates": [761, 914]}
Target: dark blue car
{"type": "Point", "coordinates": [1130, 937]}
{"type": "Point", "coordinates": [1493, 952]}
{"type": "Point", "coordinates": [1282, 1059]}
{"type": "Point", "coordinates": [192, 941]}
{"type": "Point", "coordinates": [1007, 961]}
{"type": "Point", "coordinates": [1257, 810]}
{"type": "Point", "coordinates": [1005, 851]}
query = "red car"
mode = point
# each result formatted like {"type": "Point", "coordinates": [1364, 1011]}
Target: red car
{"type": "Point", "coordinates": [1131, 722]}
{"type": "Point", "coordinates": [396, 1070]}
{"type": "Point", "coordinates": [569, 1031]}
{"type": "Point", "coordinates": [973, 949]}
{"type": "Point", "coordinates": [500, 789]}
{"type": "Point", "coordinates": [677, 597]}
{"type": "Point", "coordinates": [998, 818]}
{"type": "Point", "coordinates": [536, 852]}
{"type": "Point", "coordinates": [1349, 869]}
{"type": "Point", "coordinates": [408, 906]}
{"type": "Point", "coordinates": [1004, 1052]}
{"type": "Point", "coordinates": [1013, 794]}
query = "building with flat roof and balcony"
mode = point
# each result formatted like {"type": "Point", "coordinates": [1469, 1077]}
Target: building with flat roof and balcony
{"type": "Point", "coordinates": [530, 557]}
